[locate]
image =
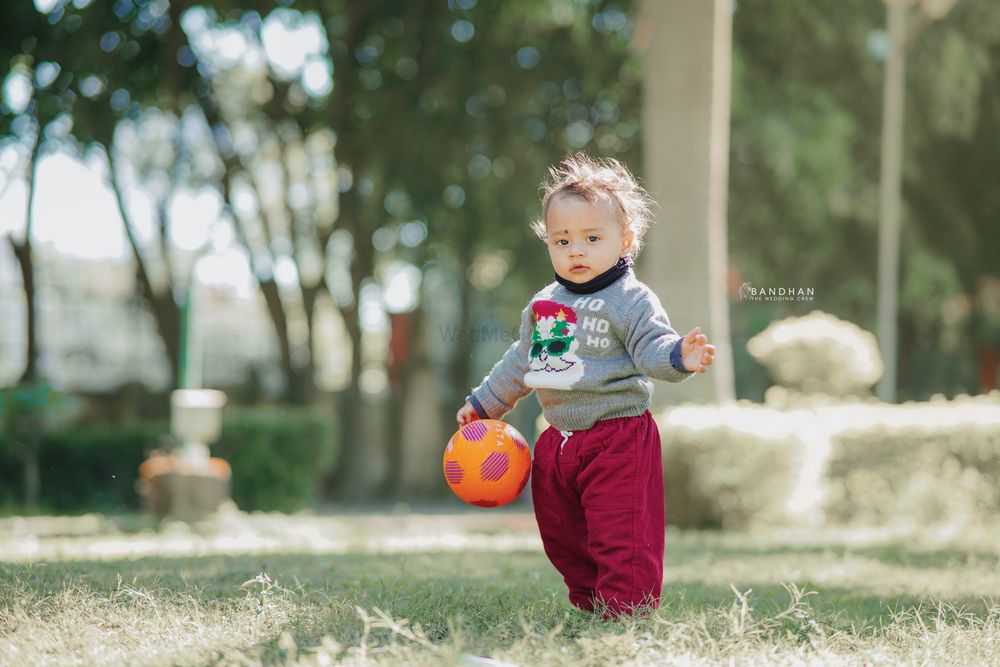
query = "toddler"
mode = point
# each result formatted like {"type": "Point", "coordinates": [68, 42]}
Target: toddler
{"type": "Point", "coordinates": [589, 344]}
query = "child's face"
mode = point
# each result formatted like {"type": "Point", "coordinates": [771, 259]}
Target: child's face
{"type": "Point", "coordinates": [584, 239]}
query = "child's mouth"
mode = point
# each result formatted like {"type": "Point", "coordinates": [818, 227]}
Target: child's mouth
{"type": "Point", "coordinates": [578, 269]}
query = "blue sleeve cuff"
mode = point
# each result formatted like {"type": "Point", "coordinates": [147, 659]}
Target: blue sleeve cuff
{"type": "Point", "coordinates": [675, 358]}
{"type": "Point", "coordinates": [479, 409]}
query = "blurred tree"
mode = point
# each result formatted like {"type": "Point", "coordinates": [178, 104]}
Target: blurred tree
{"type": "Point", "coordinates": [127, 59]}
{"type": "Point", "coordinates": [805, 165]}
{"type": "Point", "coordinates": [954, 123]}
{"type": "Point", "coordinates": [25, 257]}
{"type": "Point", "coordinates": [448, 128]}
{"type": "Point", "coordinates": [26, 123]}
{"type": "Point", "coordinates": [22, 411]}
{"type": "Point", "coordinates": [492, 109]}
{"type": "Point", "coordinates": [88, 66]}
{"type": "Point", "coordinates": [804, 168]}
{"type": "Point", "coordinates": [439, 129]}
{"type": "Point", "coordinates": [427, 147]}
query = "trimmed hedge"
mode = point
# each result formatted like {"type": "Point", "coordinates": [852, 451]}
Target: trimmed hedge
{"type": "Point", "coordinates": [816, 461]}
{"type": "Point", "coordinates": [729, 467]}
{"type": "Point", "coordinates": [94, 468]}
{"type": "Point", "coordinates": [278, 456]}
{"type": "Point", "coordinates": [917, 463]}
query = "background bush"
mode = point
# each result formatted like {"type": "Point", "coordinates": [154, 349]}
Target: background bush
{"type": "Point", "coordinates": [806, 462]}
{"type": "Point", "coordinates": [728, 467]}
{"type": "Point", "coordinates": [813, 463]}
{"type": "Point", "coordinates": [933, 462]}
{"type": "Point", "coordinates": [819, 353]}
{"type": "Point", "coordinates": [95, 468]}
{"type": "Point", "coordinates": [278, 457]}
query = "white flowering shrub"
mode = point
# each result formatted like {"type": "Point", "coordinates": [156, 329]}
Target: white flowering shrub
{"type": "Point", "coordinates": [818, 354]}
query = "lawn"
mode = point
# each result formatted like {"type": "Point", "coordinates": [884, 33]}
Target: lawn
{"type": "Point", "coordinates": [408, 588]}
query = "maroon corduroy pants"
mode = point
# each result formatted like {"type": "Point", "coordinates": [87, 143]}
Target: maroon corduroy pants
{"type": "Point", "coordinates": [598, 499]}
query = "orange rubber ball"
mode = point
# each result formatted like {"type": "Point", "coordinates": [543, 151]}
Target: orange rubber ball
{"type": "Point", "coordinates": [487, 463]}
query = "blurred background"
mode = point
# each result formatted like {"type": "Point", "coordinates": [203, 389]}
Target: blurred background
{"type": "Point", "coordinates": [322, 209]}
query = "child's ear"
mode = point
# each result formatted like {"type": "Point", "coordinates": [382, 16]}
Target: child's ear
{"type": "Point", "coordinates": [627, 242]}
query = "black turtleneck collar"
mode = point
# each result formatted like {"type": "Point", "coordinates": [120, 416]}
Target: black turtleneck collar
{"type": "Point", "coordinates": [601, 281]}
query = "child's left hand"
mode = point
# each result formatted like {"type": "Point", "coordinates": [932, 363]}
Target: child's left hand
{"type": "Point", "coordinates": [696, 353]}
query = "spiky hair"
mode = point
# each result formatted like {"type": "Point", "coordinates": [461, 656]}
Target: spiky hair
{"type": "Point", "coordinates": [593, 178]}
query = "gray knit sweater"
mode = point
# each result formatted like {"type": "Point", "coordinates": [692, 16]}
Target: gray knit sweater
{"type": "Point", "coordinates": [587, 356]}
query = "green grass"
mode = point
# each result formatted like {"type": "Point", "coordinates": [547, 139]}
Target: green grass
{"type": "Point", "coordinates": [430, 589]}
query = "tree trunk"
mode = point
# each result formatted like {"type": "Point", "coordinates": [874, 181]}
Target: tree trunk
{"type": "Point", "coordinates": [685, 127]}
{"type": "Point", "coordinates": [268, 286]}
{"type": "Point", "coordinates": [32, 474]}
{"type": "Point", "coordinates": [460, 364]}
{"type": "Point", "coordinates": [25, 261]}
{"type": "Point", "coordinates": [23, 254]}
{"type": "Point", "coordinates": [276, 309]}
{"type": "Point", "coordinates": [30, 429]}
{"type": "Point", "coordinates": [347, 481]}
{"type": "Point", "coordinates": [988, 358]}
{"type": "Point", "coordinates": [408, 356]}
{"type": "Point", "coordinates": [166, 312]}
{"type": "Point", "coordinates": [353, 478]}
{"type": "Point", "coordinates": [307, 373]}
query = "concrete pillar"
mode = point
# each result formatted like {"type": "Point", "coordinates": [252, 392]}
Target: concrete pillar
{"type": "Point", "coordinates": [687, 50]}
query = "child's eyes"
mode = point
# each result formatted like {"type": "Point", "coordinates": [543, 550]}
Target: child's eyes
{"type": "Point", "coordinates": [591, 238]}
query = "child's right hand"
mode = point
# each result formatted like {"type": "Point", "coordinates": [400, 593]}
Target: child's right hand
{"type": "Point", "coordinates": [466, 414]}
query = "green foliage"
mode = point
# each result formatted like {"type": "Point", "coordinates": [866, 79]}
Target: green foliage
{"type": "Point", "coordinates": [94, 468]}
{"type": "Point", "coordinates": [11, 475]}
{"type": "Point", "coordinates": [277, 457]}
{"type": "Point", "coordinates": [23, 410]}
{"type": "Point", "coordinates": [805, 159]}
{"type": "Point", "coordinates": [804, 151]}
{"type": "Point", "coordinates": [26, 409]}
{"type": "Point", "coordinates": [455, 133]}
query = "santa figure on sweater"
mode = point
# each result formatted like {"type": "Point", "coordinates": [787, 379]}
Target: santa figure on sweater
{"type": "Point", "coordinates": [554, 363]}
